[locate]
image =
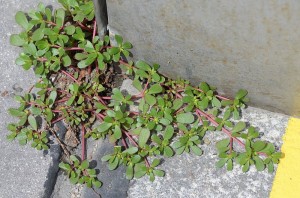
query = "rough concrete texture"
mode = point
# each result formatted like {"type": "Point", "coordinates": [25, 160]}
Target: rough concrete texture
{"type": "Point", "coordinates": [188, 175]}
{"type": "Point", "coordinates": [23, 170]}
{"type": "Point", "coordinates": [114, 182]}
{"type": "Point", "coordinates": [232, 45]}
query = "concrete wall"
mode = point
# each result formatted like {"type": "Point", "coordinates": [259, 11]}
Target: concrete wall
{"type": "Point", "coordinates": [250, 44]}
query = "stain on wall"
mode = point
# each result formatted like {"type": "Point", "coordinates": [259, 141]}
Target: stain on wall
{"type": "Point", "coordinates": [230, 44]}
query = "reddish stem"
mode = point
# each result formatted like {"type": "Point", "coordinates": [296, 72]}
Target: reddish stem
{"type": "Point", "coordinates": [51, 23]}
{"type": "Point", "coordinates": [95, 29]}
{"type": "Point", "coordinates": [90, 69]}
{"type": "Point", "coordinates": [130, 138]}
{"type": "Point", "coordinates": [124, 142]}
{"type": "Point", "coordinates": [218, 96]}
{"type": "Point", "coordinates": [106, 98]}
{"type": "Point", "coordinates": [140, 95]}
{"type": "Point", "coordinates": [74, 49]}
{"type": "Point", "coordinates": [222, 97]}
{"type": "Point", "coordinates": [55, 46]}
{"type": "Point", "coordinates": [100, 99]}
{"type": "Point", "coordinates": [57, 120]}
{"type": "Point", "coordinates": [62, 100]}
{"type": "Point", "coordinates": [134, 113]}
{"type": "Point", "coordinates": [42, 59]}
{"type": "Point", "coordinates": [147, 162]}
{"type": "Point", "coordinates": [84, 27]}
{"type": "Point", "coordinates": [231, 145]}
{"type": "Point", "coordinates": [98, 116]}
{"type": "Point", "coordinates": [70, 76]}
{"type": "Point", "coordinates": [216, 124]}
{"type": "Point", "coordinates": [97, 66]}
{"type": "Point", "coordinates": [82, 142]}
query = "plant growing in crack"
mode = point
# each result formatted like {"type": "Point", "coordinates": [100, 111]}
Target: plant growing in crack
{"type": "Point", "coordinates": [76, 70]}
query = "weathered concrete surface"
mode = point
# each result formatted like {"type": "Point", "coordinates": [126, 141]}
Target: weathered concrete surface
{"type": "Point", "coordinates": [23, 170]}
{"type": "Point", "coordinates": [193, 176]}
{"type": "Point", "coordinates": [238, 44]}
{"type": "Point", "coordinates": [114, 182]}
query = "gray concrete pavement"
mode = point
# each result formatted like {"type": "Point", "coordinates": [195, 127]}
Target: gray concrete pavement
{"type": "Point", "coordinates": [192, 176]}
{"type": "Point", "coordinates": [24, 171]}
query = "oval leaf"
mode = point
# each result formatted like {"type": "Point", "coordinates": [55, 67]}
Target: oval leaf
{"type": "Point", "coordinates": [154, 89]}
{"type": "Point", "coordinates": [143, 137]}
{"type": "Point", "coordinates": [32, 122]}
{"type": "Point", "coordinates": [239, 127]}
{"type": "Point", "coordinates": [186, 118]}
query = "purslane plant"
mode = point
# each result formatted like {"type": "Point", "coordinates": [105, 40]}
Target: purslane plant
{"type": "Point", "coordinates": [75, 67]}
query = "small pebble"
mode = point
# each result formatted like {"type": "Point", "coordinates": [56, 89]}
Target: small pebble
{"type": "Point", "coordinates": [206, 141]}
{"type": "Point", "coordinates": [4, 93]}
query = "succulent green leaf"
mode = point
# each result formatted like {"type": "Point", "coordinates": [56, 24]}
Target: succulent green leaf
{"type": "Point", "coordinates": [32, 122]}
{"type": "Point", "coordinates": [177, 104]}
{"type": "Point", "coordinates": [21, 19]}
{"type": "Point", "coordinates": [151, 100]}
{"type": "Point", "coordinates": [216, 102]}
{"type": "Point", "coordinates": [119, 39]}
{"type": "Point", "coordinates": [64, 166]}
{"type": "Point", "coordinates": [16, 40]}
{"type": "Point", "coordinates": [240, 94]}
{"type": "Point", "coordinates": [155, 162]}
{"type": "Point", "coordinates": [52, 97]}
{"type": "Point", "coordinates": [97, 183]}
{"type": "Point", "coordinates": [169, 132]}
{"type": "Point", "coordinates": [38, 34]}
{"type": "Point", "coordinates": [240, 126]}
{"type": "Point", "coordinates": [159, 173]}
{"type": "Point", "coordinates": [114, 164]}
{"type": "Point", "coordinates": [143, 65]}
{"type": "Point", "coordinates": [106, 158]}
{"type": "Point", "coordinates": [16, 112]}
{"type": "Point", "coordinates": [70, 29]}
{"type": "Point", "coordinates": [137, 84]}
{"type": "Point", "coordinates": [60, 17]}
{"type": "Point", "coordinates": [36, 111]}
{"type": "Point", "coordinates": [259, 164]}
{"type": "Point", "coordinates": [117, 95]}
{"type": "Point", "coordinates": [223, 144]}
{"type": "Point", "coordinates": [155, 89]}
{"type": "Point", "coordinates": [270, 167]}
{"type": "Point", "coordinates": [129, 172]}
{"type": "Point", "coordinates": [66, 61]}
{"type": "Point", "coordinates": [104, 127]}
{"type": "Point", "coordinates": [143, 137]}
{"type": "Point", "coordinates": [186, 118]}
{"type": "Point", "coordinates": [229, 165]}
{"type": "Point", "coordinates": [84, 164]}
{"type": "Point", "coordinates": [259, 145]}
{"type": "Point", "coordinates": [140, 173]}
{"type": "Point", "coordinates": [204, 87]}
{"type": "Point", "coordinates": [221, 162]}
{"type": "Point", "coordinates": [168, 151]}
{"type": "Point", "coordinates": [127, 45]}
{"type": "Point", "coordinates": [246, 167]}
{"type": "Point", "coordinates": [117, 132]}
{"type": "Point", "coordinates": [196, 150]}
{"type": "Point", "coordinates": [131, 150]}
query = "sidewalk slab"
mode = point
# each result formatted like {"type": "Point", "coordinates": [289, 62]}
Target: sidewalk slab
{"type": "Point", "coordinates": [24, 171]}
{"type": "Point", "coordinates": [188, 175]}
